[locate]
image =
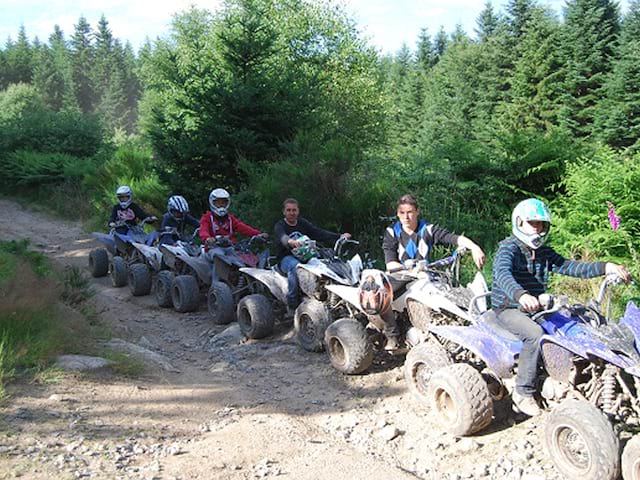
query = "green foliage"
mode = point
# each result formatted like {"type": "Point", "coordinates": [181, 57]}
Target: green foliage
{"type": "Point", "coordinates": [76, 286]}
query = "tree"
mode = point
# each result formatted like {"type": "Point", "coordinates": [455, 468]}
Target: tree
{"type": "Point", "coordinates": [487, 22]}
{"type": "Point", "coordinates": [82, 61]}
{"type": "Point", "coordinates": [52, 73]}
{"type": "Point", "coordinates": [19, 59]}
{"type": "Point", "coordinates": [590, 38]}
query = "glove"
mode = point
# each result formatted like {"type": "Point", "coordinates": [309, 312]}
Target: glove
{"type": "Point", "coordinates": [112, 224]}
{"type": "Point", "coordinates": [263, 236]}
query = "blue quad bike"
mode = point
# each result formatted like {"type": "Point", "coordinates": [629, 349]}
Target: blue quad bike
{"type": "Point", "coordinates": [589, 373]}
{"type": "Point", "coordinates": [123, 252]}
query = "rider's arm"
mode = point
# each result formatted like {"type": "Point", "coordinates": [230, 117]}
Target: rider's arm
{"type": "Point", "coordinates": [114, 214]}
{"type": "Point", "coordinates": [563, 266]}
{"type": "Point", "coordinates": [476, 251]}
{"type": "Point", "coordinates": [503, 267]}
{"type": "Point", "coordinates": [191, 220]}
{"type": "Point", "coordinates": [243, 228]}
{"type": "Point", "coordinates": [205, 227]}
{"type": "Point", "coordinates": [390, 249]}
{"type": "Point", "coordinates": [317, 233]}
{"type": "Point", "coordinates": [138, 211]}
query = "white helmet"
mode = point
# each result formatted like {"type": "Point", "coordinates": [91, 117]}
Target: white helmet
{"type": "Point", "coordinates": [528, 210]}
{"type": "Point", "coordinates": [217, 194]}
{"type": "Point", "coordinates": [177, 206]}
{"type": "Point", "coordinates": [125, 196]}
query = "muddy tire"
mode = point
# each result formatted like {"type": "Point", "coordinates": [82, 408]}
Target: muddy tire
{"type": "Point", "coordinates": [311, 321]}
{"type": "Point", "coordinates": [348, 346]}
{"type": "Point", "coordinates": [459, 397]}
{"type": "Point", "coordinates": [185, 293]}
{"type": "Point", "coordinates": [118, 272]}
{"type": "Point", "coordinates": [98, 262]}
{"type": "Point", "coordinates": [162, 289]}
{"type": "Point", "coordinates": [309, 284]}
{"type": "Point", "coordinates": [139, 279]}
{"type": "Point", "coordinates": [421, 363]}
{"type": "Point", "coordinates": [631, 459]}
{"type": "Point", "coordinates": [255, 316]}
{"type": "Point", "coordinates": [581, 442]}
{"type": "Point", "coordinates": [220, 303]}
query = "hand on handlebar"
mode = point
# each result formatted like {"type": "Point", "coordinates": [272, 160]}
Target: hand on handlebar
{"type": "Point", "coordinates": [263, 236]}
{"type": "Point", "coordinates": [346, 236]}
{"type": "Point", "coordinates": [478, 257]}
{"type": "Point", "coordinates": [618, 270]}
{"type": "Point", "coordinates": [529, 303]}
{"type": "Point", "coordinates": [112, 224]}
{"type": "Point", "coordinates": [211, 241]}
{"type": "Point", "coordinates": [294, 243]}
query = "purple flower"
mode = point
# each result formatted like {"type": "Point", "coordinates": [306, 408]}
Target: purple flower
{"type": "Point", "coordinates": [614, 220]}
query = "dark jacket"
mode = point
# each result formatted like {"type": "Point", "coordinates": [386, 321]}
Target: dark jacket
{"type": "Point", "coordinates": [170, 222]}
{"type": "Point", "coordinates": [130, 215]}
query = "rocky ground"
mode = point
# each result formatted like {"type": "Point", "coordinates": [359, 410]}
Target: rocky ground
{"type": "Point", "coordinates": [209, 405]}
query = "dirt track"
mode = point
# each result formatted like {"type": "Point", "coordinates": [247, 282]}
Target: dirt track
{"type": "Point", "coordinates": [233, 410]}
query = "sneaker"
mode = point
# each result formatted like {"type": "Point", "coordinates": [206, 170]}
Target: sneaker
{"type": "Point", "coordinates": [525, 404]}
{"type": "Point", "coordinates": [393, 344]}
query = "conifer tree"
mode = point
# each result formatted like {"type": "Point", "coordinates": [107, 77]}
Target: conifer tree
{"type": "Point", "coordinates": [82, 61]}
{"type": "Point", "coordinates": [19, 59]}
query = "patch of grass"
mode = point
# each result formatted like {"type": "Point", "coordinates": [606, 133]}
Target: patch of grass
{"type": "Point", "coordinates": [76, 286]}
{"type": "Point", "coordinates": [124, 364]}
{"type": "Point", "coordinates": [49, 376]}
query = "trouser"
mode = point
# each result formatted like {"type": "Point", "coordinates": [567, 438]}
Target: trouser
{"type": "Point", "coordinates": [214, 252]}
{"type": "Point", "coordinates": [521, 325]}
{"type": "Point", "coordinates": [288, 266]}
{"type": "Point", "coordinates": [391, 329]}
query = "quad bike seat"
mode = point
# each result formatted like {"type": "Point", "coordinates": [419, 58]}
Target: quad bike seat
{"type": "Point", "coordinates": [490, 319]}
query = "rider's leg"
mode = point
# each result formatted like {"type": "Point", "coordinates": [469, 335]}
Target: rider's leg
{"type": "Point", "coordinates": [288, 266]}
{"type": "Point", "coordinates": [521, 325]}
{"type": "Point", "coordinates": [391, 330]}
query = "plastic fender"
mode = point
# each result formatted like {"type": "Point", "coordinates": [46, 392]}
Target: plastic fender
{"type": "Point", "coordinates": [499, 355]}
{"type": "Point", "coordinates": [122, 242]}
{"type": "Point", "coordinates": [355, 264]}
{"type": "Point", "coordinates": [580, 343]}
{"type": "Point", "coordinates": [631, 319]}
{"type": "Point", "coordinates": [199, 264]}
{"type": "Point", "coordinates": [152, 238]}
{"type": "Point", "coordinates": [348, 294]}
{"type": "Point", "coordinates": [436, 301]}
{"type": "Point", "coordinates": [320, 269]}
{"type": "Point", "coordinates": [230, 258]}
{"type": "Point", "coordinates": [479, 286]}
{"type": "Point", "coordinates": [169, 253]}
{"type": "Point", "coordinates": [276, 283]}
{"type": "Point", "coordinates": [151, 254]}
{"type": "Point", "coordinates": [107, 240]}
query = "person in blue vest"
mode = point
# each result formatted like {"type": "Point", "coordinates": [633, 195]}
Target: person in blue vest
{"type": "Point", "coordinates": [411, 239]}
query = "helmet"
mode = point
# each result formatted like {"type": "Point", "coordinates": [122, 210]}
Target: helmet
{"type": "Point", "coordinates": [307, 249]}
{"type": "Point", "coordinates": [218, 194]}
{"type": "Point", "coordinates": [177, 206]}
{"type": "Point", "coordinates": [375, 292]}
{"type": "Point", "coordinates": [528, 210]}
{"type": "Point", "coordinates": [125, 196]}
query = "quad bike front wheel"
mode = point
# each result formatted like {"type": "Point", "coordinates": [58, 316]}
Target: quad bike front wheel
{"type": "Point", "coordinates": [139, 279]}
{"type": "Point", "coordinates": [118, 272]}
{"type": "Point", "coordinates": [98, 262]}
{"type": "Point", "coordinates": [220, 303]}
{"type": "Point", "coordinates": [348, 345]}
{"type": "Point", "coordinates": [460, 399]}
{"type": "Point", "coordinates": [422, 361]}
{"type": "Point", "coordinates": [631, 459]}
{"type": "Point", "coordinates": [581, 442]}
{"type": "Point", "coordinates": [185, 293]}
{"type": "Point", "coordinates": [162, 288]}
{"type": "Point", "coordinates": [311, 320]}
{"type": "Point", "coordinates": [255, 316]}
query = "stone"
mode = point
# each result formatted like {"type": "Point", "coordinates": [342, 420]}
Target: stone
{"type": "Point", "coordinates": [466, 445]}
{"type": "Point", "coordinates": [388, 433]}
{"type": "Point", "coordinates": [81, 362]}
{"type": "Point", "coordinates": [145, 354]}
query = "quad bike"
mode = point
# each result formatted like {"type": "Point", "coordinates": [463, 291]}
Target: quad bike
{"type": "Point", "coordinates": [193, 274]}
{"type": "Point", "coordinates": [591, 374]}
{"type": "Point", "coordinates": [123, 252]}
{"type": "Point", "coordinates": [329, 267]}
{"type": "Point", "coordinates": [423, 296]}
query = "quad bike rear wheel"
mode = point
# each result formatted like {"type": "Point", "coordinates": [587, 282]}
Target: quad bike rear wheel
{"type": "Point", "coordinates": [311, 320]}
{"type": "Point", "coordinates": [422, 361]}
{"type": "Point", "coordinates": [631, 459]}
{"type": "Point", "coordinates": [185, 293]}
{"type": "Point", "coordinates": [139, 279]}
{"type": "Point", "coordinates": [162, 288]}
{"type": "Point", "coordinates": [118, 272]}
{"type": "Point", "coordinates": [255, 316]}
{"type": "Point", "coordinates": [98, 262]}
{"type": "Point", "coordinates": [220, 303]}
{"type": "Point", "coordinates": [460, 398]}
{"type": "Point", "coordinates": [348, 345]}
{"type": "Point", "coordinates": [581, 442]}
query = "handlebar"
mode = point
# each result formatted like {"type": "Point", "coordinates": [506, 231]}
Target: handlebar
{"type": "Point", "coordinates": [340, 243]}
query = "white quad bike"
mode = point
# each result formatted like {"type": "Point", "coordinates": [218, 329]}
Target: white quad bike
{"type": "Point", "coordinates": [313, 315]}
{"type": "Point", "coordinates": [258, 313]}
{"type": "Point", "coordinates": [423, 296]}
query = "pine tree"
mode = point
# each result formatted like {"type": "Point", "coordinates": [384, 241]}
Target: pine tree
{"type": "Point", "coordinates": [440, 44]}
{"type": "Point", "coordinates": [52, 73]}
{"type": "Point", "coordinates": [82, 62]}
{"type": "Point", "coordinates": [518, 15]}
{"type": "Point", "coordinates": [425, 53]}
{"type": "Point", "coordinates": [19, 58]}
{"type": "Point", "coordinates": [590, 38]}
{"type": "Point", "coordinates": [487, 23]}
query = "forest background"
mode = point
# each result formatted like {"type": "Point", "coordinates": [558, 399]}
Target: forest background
{"type": "Point", "coordinates": [279, 98]}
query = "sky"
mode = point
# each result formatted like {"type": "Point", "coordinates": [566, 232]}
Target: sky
{"type": "Point", "coordinates": [386, 23]}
